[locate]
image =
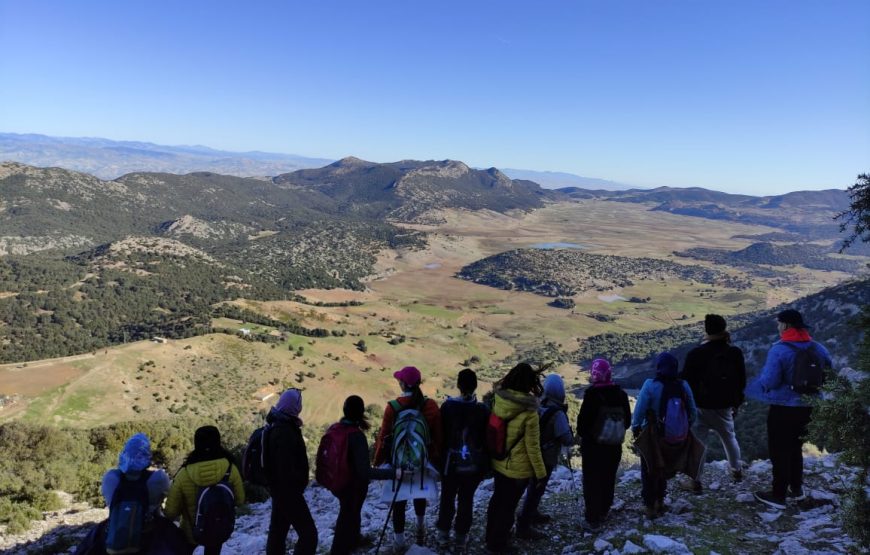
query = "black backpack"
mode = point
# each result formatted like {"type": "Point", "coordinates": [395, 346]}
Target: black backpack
{"type": "Point", "coordinates": [466, 454]}
{"type": "Point", "coordinates": [808, 369]}
{"type": "Point", "coordinates": [718, 382]}
{"type": "Point", "coordinates": [254, 458]}
{"type": "Point", "coordinates": [215, 517]}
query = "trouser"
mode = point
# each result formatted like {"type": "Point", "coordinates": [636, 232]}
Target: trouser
{"type": "Point", "coordinates": [600, 463]}
{"type": "Point", "coordinates": [506, 493]}
{"type": "Point", "coordinates": [786, 428]}
{"type": "Point", "coordinates": [347, 527]}
{"type": "Point", "coordinates": [534, 492]}
{"type": "Point", "coordinates": [457, 498]}
{"type": "Point", "coordinates": [286, 512]}
{"type": "Point", "coordinates": [399, 508]}
{"type": "Point", "coordinates": [721, 421]}
{"type": "Point", "coordinates": [652, 488]}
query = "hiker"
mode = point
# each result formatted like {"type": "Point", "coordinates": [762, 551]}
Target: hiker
{"type": "Point", "coordinates": [466, 461]}
{"type": "Point", "coordinates": [208, 471]}
{"type": "Point", "coordinates": [604, 417]}
{"type": "Point", "coordinates": [716, 372]}
{"type": "Point", "coordinates": [555, 434]}
{"type": "Point", "coordinates": [134, 488]}
{"type": "Point", "coordinates": [287, 468]}
{"type": "Point", "coordinates": [661, 425]}
{"type": "Point", "coordinates": [348, 478]}
{"type": "Point", "coordinates": [415, 415]}
{"type": "Point", "coordinates": [514, 442]}
{"type": "Point", "coordinates": [793, 372]}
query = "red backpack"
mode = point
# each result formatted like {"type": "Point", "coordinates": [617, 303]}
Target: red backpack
{"type": "Point", "coordinates": [496, 437]}
{"type": "Point", "coordinates": [333, 467]}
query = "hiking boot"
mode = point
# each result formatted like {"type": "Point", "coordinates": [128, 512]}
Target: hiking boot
{"type": "Point", "coordinates": [660, 507]}
{"type": "Point", "coordinates": [737, 475]}
{"type": "Point", "coordinates": [529, 533]}
{"type": "Point", "coordinates": [541, 518]}
{"type": "Point", "coordinates": [421, 535]}
{"type": "Point", "coordinates": [460, 543]}
{"type": "Point", "coordinates": [507, 549]}
{"type": "Point", "coordinates": [399, 545]}
{"type": "Point", "coordinates": [590, 525]}
{"type": "Point", "coordinates": [651, 512]}
{"type": "Point", "coordinates": [770, 499]}
{"type": "Point", "coordinates": [693, 486]}
{"type": "Point", "coordinates": [795, 494]}
{"type": "Point", "coordinates": [443, 539]}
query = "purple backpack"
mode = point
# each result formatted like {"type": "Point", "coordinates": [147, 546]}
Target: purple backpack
{"type": "Point", "coordinates": [673, 414]}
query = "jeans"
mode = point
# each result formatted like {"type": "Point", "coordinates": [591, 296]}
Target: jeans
{"type": "Point", "coordinates": [786, 428]}
{"type": "Point", "coordinates": [500, 513]}
{"type": "Point", "coordinates": [534, 492]}
{"type": "Point", "coordinates": [463, 488]}
{"type": "Point", "coordinates": [286, 512]}
{"type": "Point", "coordinates": [347, 526]}
{"type": "Point", "coordinates": [721, 421]}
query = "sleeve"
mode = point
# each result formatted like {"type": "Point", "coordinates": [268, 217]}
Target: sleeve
{"type": "Point", "coordinates": [563, 430]}
{"type": "Point", "coordinates": [383, 435]}
{"type": "Point", "coordinates": [692, 408]}
{"type": "Point", "coordinates": [641, 407]}
{"type": "Point", "coordinates": [358, 450]}
{"type": "Point", "coordinates": [175, 501]}
{"type": "Point", "coordinates": [584, 417]}
{"type": "Point", "coordinates": [626, 408]}
{"type": "Point", "coordinates": [158, 487]}
{"type": "Point", "coordinates": [237, 485]}
{"type": "Point", "coordinates": [771, 372]}
{"type": "Point", "coordinates": [741, 375]}
{"type": "Point", "coordinates": [301, 454]}
{"type": "Point", "coordinates": [110, 483]}
{"type": "Point", "coordinates": [433, 418]}
{"type": "Point", "coordinates": [532, 443]}
{"type": "Point", "coordinates": [690, 370]}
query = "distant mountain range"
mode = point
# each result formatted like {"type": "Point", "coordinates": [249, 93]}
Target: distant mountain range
{"type": "Point", "coordinates": [560, 180]}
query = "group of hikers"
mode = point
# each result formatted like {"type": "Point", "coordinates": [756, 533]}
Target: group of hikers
{"type": "Point", "coordinates": [516, 437]}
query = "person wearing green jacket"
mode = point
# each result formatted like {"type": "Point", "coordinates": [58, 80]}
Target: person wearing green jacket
{"type": "Point", "coordinates": [515, 401]}
{"type": "Point", "coordinates": [205, 466]}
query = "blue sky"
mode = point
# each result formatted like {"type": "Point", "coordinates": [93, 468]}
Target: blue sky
{"type": "Point", "coordinates": [757, 97]}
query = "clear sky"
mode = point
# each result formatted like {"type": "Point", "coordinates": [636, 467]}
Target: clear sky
{"type": "Point", "coordinates": [762, 96]}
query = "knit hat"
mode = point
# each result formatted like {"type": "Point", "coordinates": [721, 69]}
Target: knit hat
{"type": "Point", "coordinates": [467, 380]}
{"type": "Point", "coordinates": [601, 373]}
{"type": "Point", "coordinates": [207, 439]}
{"type": "Point", "coordinates": [667, 365]}
{"type": "Point", "coordinates": [136, 454]}
{"type": "Point", "coordinates": [354, 407]}
{"type": "Point", "coordinates": [554, 388]}
{"type": "Point", "coordinates": [408, 375]}
{"type": "Point", "coordinates": [290, 402]}
{"type": "Point", "coordinates": [791, 317]}
{"type": "Point", "coordinates": [713, 324]}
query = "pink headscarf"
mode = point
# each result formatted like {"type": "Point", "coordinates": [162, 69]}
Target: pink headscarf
{"type": "Point", "coordinates": [601, 375]}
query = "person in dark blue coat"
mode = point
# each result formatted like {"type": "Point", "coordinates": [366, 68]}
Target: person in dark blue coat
{"type": "Point", "coordinates": [789, 413]}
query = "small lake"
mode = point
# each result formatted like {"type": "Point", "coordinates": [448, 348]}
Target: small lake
{"type": "Point", "coordinates": [611, 298]}
{"type": "Point", "coordinates": [559, 245]}
{"type": "Point", "coordinates": [432, 266]}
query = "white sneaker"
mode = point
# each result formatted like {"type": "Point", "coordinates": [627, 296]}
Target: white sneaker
{"type": "Point", "coordinates": [399, 545]}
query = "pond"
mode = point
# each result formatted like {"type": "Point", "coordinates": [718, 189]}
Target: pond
{"type": "Point", "coordinates": [559, 245]}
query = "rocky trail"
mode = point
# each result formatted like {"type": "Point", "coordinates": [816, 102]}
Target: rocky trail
{"type": "Point", "coordinates": [724, 519]}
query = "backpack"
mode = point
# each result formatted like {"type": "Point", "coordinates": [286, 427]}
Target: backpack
{"type": "Point", "coordinates": [718, 381]}
{"type": "Point", "coordinates": [127, 514]}
{"type": "Point", "coordinates": [673, 415]}
{"type": "Point", "coordinates": [254, 458]}
{"type": "Point", "coordinates": [808, 369]}
{"type": "Point", "coordinates": [333, 465]}
{"type": "Point", "coordinates": [609, 425]}
{"type": "Point", "coordinates": [410, 438]}
{"type": "Point", "coordinates": [466, 455]}
{"type": "Point", "coordinates": [215, 512]}
{"type": "Point", "coordinates": [496, 437]}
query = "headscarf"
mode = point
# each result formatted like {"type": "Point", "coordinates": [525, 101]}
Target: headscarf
{"type": "Point", "coordinates": [290, 404]}
{"type": "Point", "coordinates": [667, 366]}
{"type": "Point", "coordinates": [554, 389]}
{"type": "Point", "coordinates": [136, 454]}
{"type": "Point", "coordinates": [601, 373]}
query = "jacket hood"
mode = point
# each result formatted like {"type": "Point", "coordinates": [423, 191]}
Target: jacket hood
{"type": "Point", "coordinates": [509, 403]}
{"type": "Point", "coordinates": [276, 416]}
{"type": "Point", "coordinates": [207, 473]}
{"type": "Point", "coordinates": [554, 389]}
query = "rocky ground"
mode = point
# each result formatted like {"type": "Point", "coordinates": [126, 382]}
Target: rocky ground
{"type": "Point", "coordinates": [723, 519]}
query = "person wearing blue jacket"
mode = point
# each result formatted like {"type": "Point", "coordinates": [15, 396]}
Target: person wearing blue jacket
{"type": "Point", "coordinates": [653, 488]}
{"type": "Point", "coordinates": [789, 413]}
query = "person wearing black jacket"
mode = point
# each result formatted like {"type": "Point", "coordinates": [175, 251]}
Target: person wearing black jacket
{"type": "Point", "coordinates": [347, 527]}
{"type": "Point", "coordinates": [716, 372]}
{"type": "Point", "coordinates": [464, 420]}
{"type": "Point", "coordinates": [287, 469]}
{"type": "Point", "coordinates": [600, 462]}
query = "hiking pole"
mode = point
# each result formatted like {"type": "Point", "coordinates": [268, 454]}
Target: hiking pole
{"type": "Point", "coordinates": [573, 479]}
{"type": "Point", "coordinates": [390, 512]}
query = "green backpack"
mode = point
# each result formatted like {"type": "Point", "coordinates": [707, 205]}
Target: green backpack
{"type": "Point", "coordinates": [410, 438]}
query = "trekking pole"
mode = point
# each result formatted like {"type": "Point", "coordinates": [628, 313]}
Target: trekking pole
{"type": "Point", "coordinates": [390, 512]}
{"type": "Point", "coordinates": [573, 479]}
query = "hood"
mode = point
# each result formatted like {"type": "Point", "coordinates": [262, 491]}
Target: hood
{"type": "Point", "coordinates": [206, 473]}
{"type": "Point", "coordinates": [554, 389]}
{"type": "Point", "coordinates": [509, 403]}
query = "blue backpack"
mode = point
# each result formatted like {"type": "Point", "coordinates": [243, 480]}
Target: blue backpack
{"type": "Point", "coordinates": [673, 414]}
{"type": "Point", "coordinates": [215, 512]}
{"type": "Point", "coordinates": [127, 514]}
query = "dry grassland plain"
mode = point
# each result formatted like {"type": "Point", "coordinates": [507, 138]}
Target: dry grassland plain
{"type": "Point", "coordinates": [414, 294]}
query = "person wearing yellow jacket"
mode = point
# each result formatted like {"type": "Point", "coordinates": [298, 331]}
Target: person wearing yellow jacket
{"type": "Point", "coordinates": [205, 466]}
{"type": "Point", "coordinates": [516, 402]}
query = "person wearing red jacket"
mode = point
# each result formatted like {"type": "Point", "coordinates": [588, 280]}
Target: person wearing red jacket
{"type": "Point", "coordinates": [409, 379]}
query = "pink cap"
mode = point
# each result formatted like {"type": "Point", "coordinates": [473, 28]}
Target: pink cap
{"type": "Point", "coordinates": [409, 374]}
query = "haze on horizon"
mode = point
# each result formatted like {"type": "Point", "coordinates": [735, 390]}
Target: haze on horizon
{"type": "Point", "coordinates": [747, 97]}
